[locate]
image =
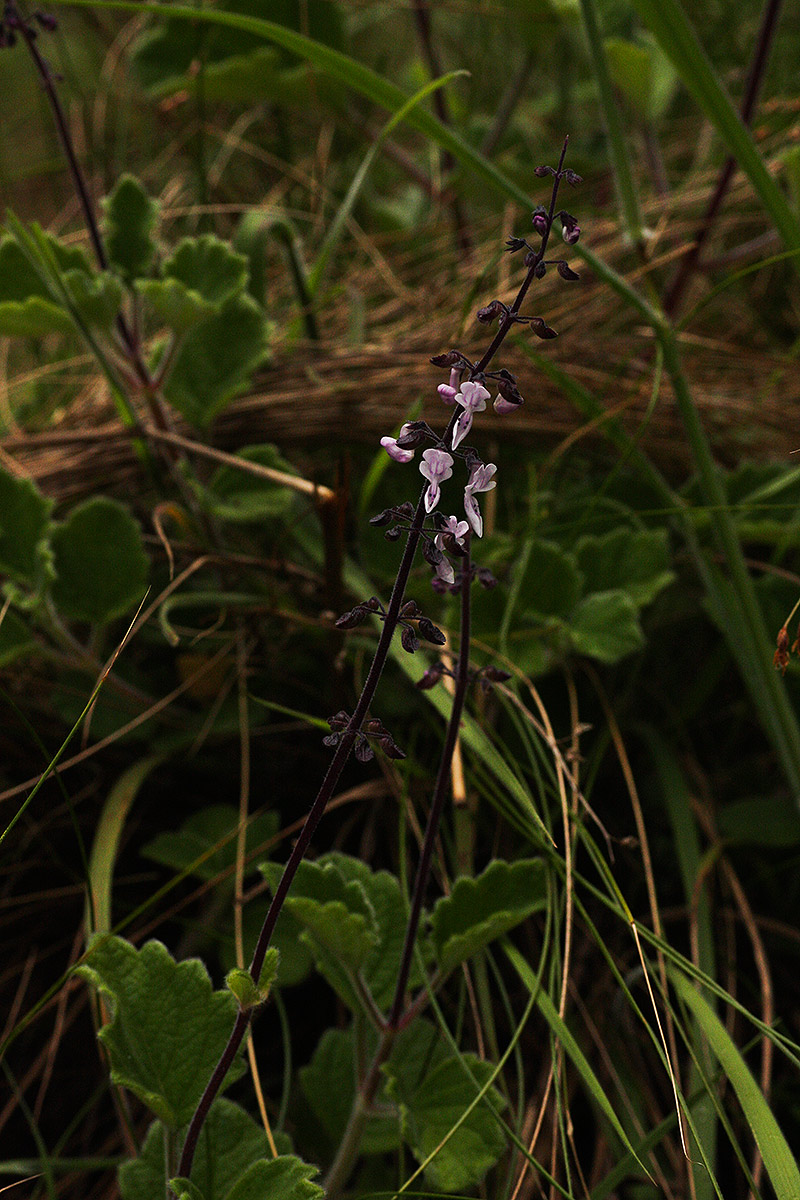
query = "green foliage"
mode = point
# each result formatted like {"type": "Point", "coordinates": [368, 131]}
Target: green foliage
{"type": "Point", "coordinates": [100, 563]}
{"type": "Point", "coordinates": [244, 498]}
{"type": "Point", "coordinates": [479, 910]}
{"type": "Point", "coordinates": [130, 217]}
{"type": "Point", "coordinates": [435, 1107]}
{"type": "Point", "coordinates": [168, 1026]}
{"type": "Point", "coordinates": [206, 842]}
{"type": "Point", "coordinates": [24, 530]}
{"type": "Point", "coordinates": [198, 278]}
{"type": "Point", "coordinates": [329, 1088]}
{"type": "Point", "coordinates": [216, 359]}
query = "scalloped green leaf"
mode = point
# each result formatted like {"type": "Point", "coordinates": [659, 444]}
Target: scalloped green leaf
{"type": "Point", "coordinates": [334, 912]}
{"type": "Point", "coordinates": [231, 1143]}
{"type": "Point", "coordinates": [209, 834]}
{"type": "Point", "coordinates": [284, 1178]}
{"type": "Point", "coordinates": [174, 304]}
{"type": "Point", "coordinates": [168, 1026]}
{"type": "Point", "coordinates": [636, 561]}
{"type": "Point", "coordinates": [216, 359]}
{"type": "Point", "coordinates": [606, 626]}
{"type": "Point", "coordinates": [97, 298]}
{"type": "Point", "coordinates": [100, 562]}
{"type": "Point", "coordinates": [130, 217]}
{"type": "Point", "coordinates": [32, 318]}
{"type": "Point", "coordinates": [328, 1083]}
{"type": "Point", "coordinates": [433, 1104]}
{"type": "Point", "coordinates": [208, 266]}
{"type": "Point", "coordinates": [551, 582]}
{"type": "Point", "coordinates": [24, 529]}
{"type": "Point", "coordinates": [479, 910]}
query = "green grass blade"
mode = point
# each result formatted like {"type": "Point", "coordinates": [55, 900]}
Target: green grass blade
{"type": "Point", "coordinates": [779, 1161]}
{"type": "Point", "coordinates": [667, 21]}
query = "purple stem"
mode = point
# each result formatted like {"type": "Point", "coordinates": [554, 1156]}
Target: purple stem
{"type": "Point", "coordinates": [342, 753]}
{"type": "Point", "coordinates": [755, 77]}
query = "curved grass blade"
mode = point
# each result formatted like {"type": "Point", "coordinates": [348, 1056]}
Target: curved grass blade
{"type": "Point", "coordinates": [779, 1161]}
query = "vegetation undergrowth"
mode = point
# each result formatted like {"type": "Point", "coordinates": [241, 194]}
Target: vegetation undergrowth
{"type": "Point", "coordinates": [535, 932]}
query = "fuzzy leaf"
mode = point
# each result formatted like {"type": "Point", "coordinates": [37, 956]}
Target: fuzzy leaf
{"type": "Point", "coordinates": [479, 910]}
{"type": "Point", "coordinates": [335, 913]}
{"type": "Point", "coordinates": [231, 1143]}
{"type": "Point", "coordinates": [431, 1105]}
{"type": "Point", "coordinates": [216, 359]}
{"type": "Point", "coordinates": [199, 277]}
{"type": "Point", "coordinates": [24, 527]}
{"type": "Point", "coordinates": [632, 561]}
{"type": "Point", "coordinates": [550, 583]}
{"type": "Point", "coordinates": [130, 216]}
{"type": "Point", "coordinates": [168, 1026]}
{"type": "Point", "coordinates": [32, 318]}
{"type": "Point", "coordinates": [283, 1178]}
{"type": "Point", "coordinates": [97, 297]}
{"type": "Point", "coordinates": [606, 626]}
{"type": "Point", "coordinates": [100, 562]}
{"type": "Point", "coordinates": [328, 1085]}
{"type": "Point", "coordinates": [211, 828]}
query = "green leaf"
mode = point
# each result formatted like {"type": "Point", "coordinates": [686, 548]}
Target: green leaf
{"type": "Point", "coordinates": [239, 981]}
{"type": "Point", "coordinates": [174, 304]}
{"type": "Point", "coordinates": [606, 626]}
{"type": "Point", "coordinates": [130, 216]}
{"type": "Point", "coordinates": [32, 318]}
{"type": "Point", "coordinates": [168, 1027]}
{"type": "Point", "coordinates": [216, 360]}
{"type": "Point", "coordinates": [779, 1161]}
{"type": "Point", "coordinates": [643, 74]}
{"type": "Point", "coordinates": [230, 1143]}
{"type": "Point", "coordinates": [479, 910]}
{"type": "Point", "coordinates": [97, 298]}
{"type": "Point", "coordinates": [185, 1189]}
{"type": "Point", "coordinates": [238, 496]}
{"type": "Point", "coordinates": [100, 562]}
{"type": "Point", "coordinates": [550, 583]}
{"type": "Point", "coordinates": [335, 912]}
{"type": "Point", "coordinates": [24, 528]}
{"type": "Point", "coordinates": [199, 277]}
{"type": "Point", "coordinates": [329, 1084]}
{"type": "Point", "coordinates": [433, 1103]}
{"type": "Point", "coordinates": [209, 834]}
{"type": "Point", "coordinates": [283, 1178]}
{"type": "Point", "coordinates": [628, 560]}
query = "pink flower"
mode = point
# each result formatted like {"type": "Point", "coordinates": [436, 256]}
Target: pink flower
{"type": "Point", "coordinates": [448, 391]}
{"type": "Point", "coordinates": [472, 397]}
{"type": "Point", "coordinates": [436, 466]}
{"type": "Point", "coordinates": [480, 480]}
{"type": "Point", "coordinates": [394, 451]}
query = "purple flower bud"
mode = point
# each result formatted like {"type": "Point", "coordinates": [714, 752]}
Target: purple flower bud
{"type": "Point", "coordinates": [363, 751]}
{"type": "Point", "coordinates": [540, 221]}
{"type": "Point", "coordinates": [410, 609]}
{"type": "Point", "coordinates": [431, 677]}
{"type": "Point", "coordinates": [491, 312]}
{"type": "Point", "coordinates": [430, 632]}
{"type": "Point", "coordinates": [393, 534]}
{"type": "Point", "coordinates": [339, 720]}
{"type": "Point", "coordinates": [514, 243]}
{"type": "Point", "coordinates": [47, 21]}
{"type": "Point", "coordinates": [572, 178]}
{"type": "Point", "coordinates": [408, 639]}
{"type": "Point", "coordinates": [485, 578]}
{"type": "Point", "coordinates": [452, 358]}
{"type": "Point", "coordinates": [542, 171]}
{"type": "Point", "coordinates": [541, 270]}
{"type": "Point", "coordinates": [397, 452]}
{"type": "Point", "coordinates": [571, 236]}
{"type": "Point", "coordinates": [566, 272]}
{"type": "Point", "coordinates": [542, 329]}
